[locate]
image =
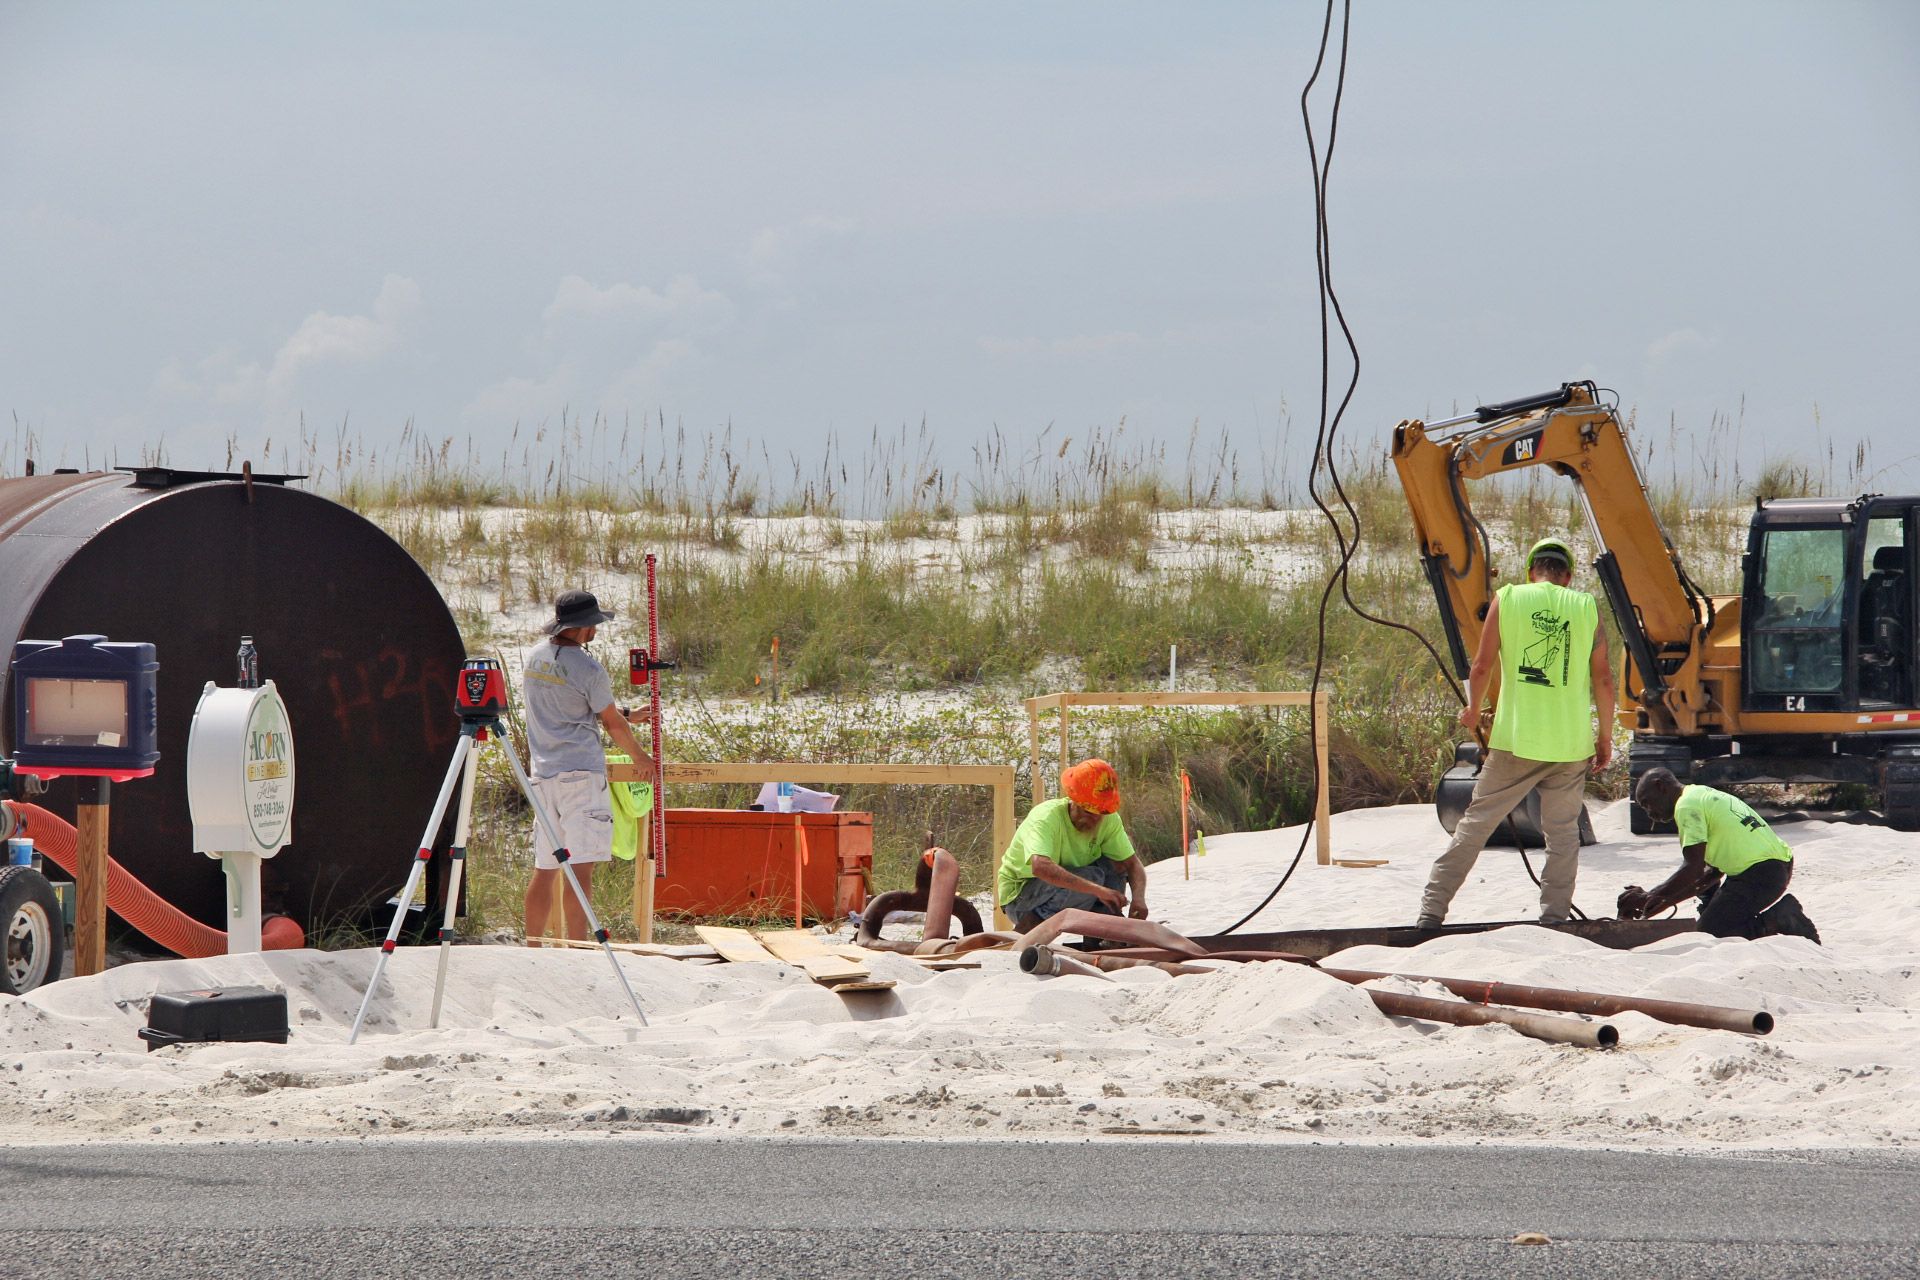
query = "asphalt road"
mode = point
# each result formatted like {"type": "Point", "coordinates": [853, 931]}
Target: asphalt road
{"type": "Point", "coordinates": [742, 1210]}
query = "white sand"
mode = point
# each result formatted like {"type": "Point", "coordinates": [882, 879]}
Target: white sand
{"type": "Point", "coordinates": [534, 1042]}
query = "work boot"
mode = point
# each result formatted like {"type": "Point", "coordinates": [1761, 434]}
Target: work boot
{"type": "Point", "coordinates": [1427, 920]}
{"type": "Point", "coordinates": [1787, 917]}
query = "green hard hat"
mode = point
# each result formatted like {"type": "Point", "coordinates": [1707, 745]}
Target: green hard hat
{"type": "Point", "coordinates": [1553, 548]}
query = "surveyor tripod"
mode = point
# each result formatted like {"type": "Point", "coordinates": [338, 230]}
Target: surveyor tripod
{"type": "Point", "coordinates": [481, 699]}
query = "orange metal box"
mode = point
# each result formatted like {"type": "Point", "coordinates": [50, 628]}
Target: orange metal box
{"type": "Point", "coordinates": [738, 862]}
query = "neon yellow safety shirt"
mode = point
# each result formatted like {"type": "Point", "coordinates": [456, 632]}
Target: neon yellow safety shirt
{"type": "Point", "coordinates": [1736, 837]}
{"type": "Point", "coordinates": [1545, 710]}
{"type": "Point", "coordinates": [1048, 831]}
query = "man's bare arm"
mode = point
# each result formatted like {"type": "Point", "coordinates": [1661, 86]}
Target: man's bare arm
{"type": "Point", "coordinates": [1047, 870]}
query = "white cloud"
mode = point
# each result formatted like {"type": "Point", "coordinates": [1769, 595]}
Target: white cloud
{"type": "Point", "coordinates": [225, 378]}
{"type": "Point", "coordinates": [772, 251]}
{"type": "Point", "coordinates": [1669, 345]}
{"type": "Point", "coordinates": [606, 346]}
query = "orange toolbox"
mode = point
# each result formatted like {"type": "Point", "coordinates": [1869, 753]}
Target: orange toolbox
{"type": "Point", "coordinates": [740, 862]}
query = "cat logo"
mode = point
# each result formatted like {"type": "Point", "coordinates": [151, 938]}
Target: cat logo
{"type": "Point", "coordinates": [1522, 450]}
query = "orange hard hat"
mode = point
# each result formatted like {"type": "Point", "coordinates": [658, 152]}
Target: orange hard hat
{"type": "Point", "coordinates": [1092, 784]}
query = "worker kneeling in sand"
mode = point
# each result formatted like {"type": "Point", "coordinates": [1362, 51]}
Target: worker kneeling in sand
{"type": "Point", "coordinates": [1729, 855]}
{"type": "Point", "coordinates": [569, 699]}
{"type": "Point", "coordinates": [1548, 644]}
{"type": "Point", "coordinates": [1072, 852]}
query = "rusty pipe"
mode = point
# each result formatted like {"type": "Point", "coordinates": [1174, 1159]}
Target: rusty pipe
{"type": "Point", "coordinates": [1095, 924]}
{"type": "Point", "coordinates": [943, 887]}
{"type": "Point", "coordinates": [1162, 953]}
{"type": "Point", "coordinates": [1587, 1035]}
{"type": "Point", "coordinates": [1048, 963]}
{"type": "Point", "coordinates": [1749, 1021]}
{"type": "Point", "coordinates": [1110, 963]}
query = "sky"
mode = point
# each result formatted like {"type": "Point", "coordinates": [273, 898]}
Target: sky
{"type": "Point", "coordinates": [223, 223]}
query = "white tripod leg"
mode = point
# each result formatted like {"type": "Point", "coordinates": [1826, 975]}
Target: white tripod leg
{"type": "Point", "coordinates": [461, 750]}
{"type": "Point", "coordinates": [462, 823]}
{"type": "Point", "coordinates": [551, 830]}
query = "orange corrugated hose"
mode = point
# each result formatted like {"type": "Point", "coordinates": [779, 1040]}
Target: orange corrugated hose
{"type": "Point", "coordinates": [155, 917]}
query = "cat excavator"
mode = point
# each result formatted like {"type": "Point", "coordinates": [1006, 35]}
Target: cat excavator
{"type": "Point", "coordinates": [1809, 675]}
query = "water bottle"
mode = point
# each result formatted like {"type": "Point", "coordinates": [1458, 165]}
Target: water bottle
{"type": "Point", "coordinates": [248, 660]}
{"type": "Point", "coordinates": [785, 793]}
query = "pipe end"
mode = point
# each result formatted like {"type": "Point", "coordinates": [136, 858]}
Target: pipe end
{"type": "Point", "coordinates": [1036, 960]}
{"type": "Point", "coordinates": [1608, 1035]}
{"type": "Point", "coordinates": [1762, 1023]}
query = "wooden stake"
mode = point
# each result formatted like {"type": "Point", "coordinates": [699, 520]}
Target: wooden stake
{"type": "Point", "coordinates": [90, 900]}
{"type": "Point", "coordinates": [1186, 850]}
{"type": "Point", "coordinates": [799, 872]}
{"type": "Point", "coordinates": [643, 877]}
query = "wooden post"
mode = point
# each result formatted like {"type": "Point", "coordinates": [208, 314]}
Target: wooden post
{"type": "Point", "coordinates": [1038, 787]}
{"type": "Point", "coordinates": [1065, 711]}
{"type": "Point", "coordinates": [1323, 810]}
{"type": "Point", "coordinates": [1186, 841]}
{"type": "Point", "coordinates": [90, 894]}
{"type": "Point", "coordinates": [799, 872]}
{"type": "Point", "coordinates": [644, 872]}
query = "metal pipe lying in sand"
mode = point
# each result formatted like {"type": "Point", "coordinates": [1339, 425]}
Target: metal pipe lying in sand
{"type": "Point", "coordinates": [1095, 924]}
{"type": "Point", "coordinates": [1750, 1021]}
{"type": "Point", "coordinates": [1049, 963]}
{"type": "Point", "coordinates": [1587, 1035]}
{"type": "Point", "coordinates": [1110, 963]}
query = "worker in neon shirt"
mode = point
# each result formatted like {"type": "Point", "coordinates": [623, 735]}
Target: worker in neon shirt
{"type": "Point", "coordinates": [1072, 852]}
{"type": "Point", "coordinates": [1727, 850]}
{"type": "Point", "coordinates": [1549, 647]}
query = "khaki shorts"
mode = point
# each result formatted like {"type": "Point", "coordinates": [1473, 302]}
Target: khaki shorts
{"type": "Point", "coordinates": [579, 804]}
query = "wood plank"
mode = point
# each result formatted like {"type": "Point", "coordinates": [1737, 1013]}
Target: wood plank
{"type": "Point", "coordinates": [831, 971]}
{"type": "Point", "coordinates": [868, 984]}
{"type": "Point", "coordinates": [1162, 698]}
{"type": "Point", "coordinates": [815, 956]}
{"type": "Point", "coordinates": [966, 775]}
{"type": "Point", "coordinates": [735, 945]}
{"type": "Point", "coordinates": [688, 951]}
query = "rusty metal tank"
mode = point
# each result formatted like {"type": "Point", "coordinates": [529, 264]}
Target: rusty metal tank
{"type": "Point", "coordinates": [349, 627]}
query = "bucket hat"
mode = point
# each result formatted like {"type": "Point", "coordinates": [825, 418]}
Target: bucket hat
{"type": "Point", "coordinates": [576, 609]}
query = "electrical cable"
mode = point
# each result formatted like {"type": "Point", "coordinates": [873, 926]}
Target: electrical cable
{"type": "Point", "coordinates": [1324, 434]}
{"type": "Point", "coordinates": [1324, 453]}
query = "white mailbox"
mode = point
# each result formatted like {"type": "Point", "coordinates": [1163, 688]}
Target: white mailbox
{"type": "Point", "coordinates": [240, 792]}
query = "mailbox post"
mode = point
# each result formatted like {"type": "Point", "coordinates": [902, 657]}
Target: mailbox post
{"type": "Point", "coordinates": [240, 791]}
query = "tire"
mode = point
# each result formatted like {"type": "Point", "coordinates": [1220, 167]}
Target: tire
{"type": "Point", "coordinates": [33, 928]}
{"type": "Point", "coordinates": [1900, 789]}
{"type": "Point", "coordinates": [1903, 808]}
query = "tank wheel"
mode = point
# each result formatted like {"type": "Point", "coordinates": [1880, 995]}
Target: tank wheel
{"type": "Point", "coordinates": [35, 931]}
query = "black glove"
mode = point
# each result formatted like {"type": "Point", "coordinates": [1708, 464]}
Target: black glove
{"type": "Point", "coordinates": [1632, 903]}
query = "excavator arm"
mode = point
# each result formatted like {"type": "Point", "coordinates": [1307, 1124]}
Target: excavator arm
{"type": "Point", "coordinates": [1661, 616]}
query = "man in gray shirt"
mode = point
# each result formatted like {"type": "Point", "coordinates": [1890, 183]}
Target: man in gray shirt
{"type": "Point", "coordinates": [569, 699]}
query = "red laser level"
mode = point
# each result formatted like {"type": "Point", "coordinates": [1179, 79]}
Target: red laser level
{"type": "Point", "coordinates": [482, 694]}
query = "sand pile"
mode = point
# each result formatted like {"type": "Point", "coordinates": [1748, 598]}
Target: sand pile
{"type": "Point", "coordinates": [540, 1042]}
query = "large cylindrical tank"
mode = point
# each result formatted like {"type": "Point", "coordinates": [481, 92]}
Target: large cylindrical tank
{"type": "Point", "coordinates": [349, 627]}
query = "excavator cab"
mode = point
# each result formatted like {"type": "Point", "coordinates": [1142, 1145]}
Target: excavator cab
{"type": "Point", "coordinates": [1828, 619]}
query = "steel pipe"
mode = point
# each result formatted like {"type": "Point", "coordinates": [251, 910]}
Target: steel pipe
{"type": "Point", "coordinates": [1048, 963]}
{"type": "Point", "coordinates": [1720, 1018]}
{"type": "Point", "coordinates": [1541, 1026]}
{"type": "Point", "coordinates": [1095, 924]}
{"type": "Point", "coordinates": [1108, 963]}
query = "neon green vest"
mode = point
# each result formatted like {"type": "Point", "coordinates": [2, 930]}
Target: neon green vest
{"type": "Point", "coordinates": [1546, 685]}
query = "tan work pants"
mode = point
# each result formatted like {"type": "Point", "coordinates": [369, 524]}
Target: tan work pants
{"type": "Point", "coordinates": [1503, 785]}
